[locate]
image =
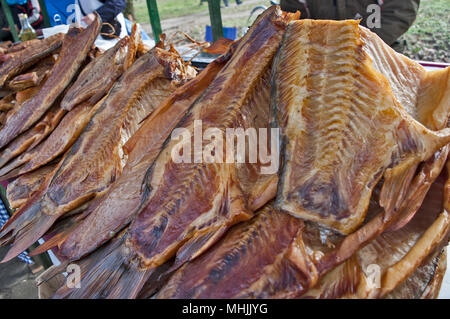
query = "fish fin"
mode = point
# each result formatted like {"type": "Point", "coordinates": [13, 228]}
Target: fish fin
{"type": "Point", "coordinates": [25, 228]}
{"type": "Point", "coordinates": [396, 183]}
{"type": "Point", "coordinates": [419, 188]}
{"type": "Point", "coordinates": [53, 242]}
{"type": "Point", "coordinates": [196, 246]}
{"type": "Point", "coordinates": [107, 273]}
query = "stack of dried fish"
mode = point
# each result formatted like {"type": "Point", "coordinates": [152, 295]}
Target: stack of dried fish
{"type": "Point", "coordinates": [362, 186]}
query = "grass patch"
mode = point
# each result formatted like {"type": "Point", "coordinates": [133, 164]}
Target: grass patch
{"type": "Point", "coordinates": [169, 9]}
{"type": "Point", "coordinates": [429, 37]}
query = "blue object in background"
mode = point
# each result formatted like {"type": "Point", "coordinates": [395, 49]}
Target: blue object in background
{"type": "Point", "coordinates": [229, 33]}
{"type": "Point", "coordinates": [19, 2]}
{"type": "Point", "coordinates": [129, 25]}
{"type": "Point", "coordinates": [59, 11]}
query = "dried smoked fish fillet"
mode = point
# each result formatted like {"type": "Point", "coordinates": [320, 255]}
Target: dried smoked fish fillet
{"type": "Point", "coordinates": [189, 206]}
{"type": "Point", "coordinates": [342, 127]}
{"type": "Point", "coordinates": [125, 195]}
{"type": "Point", "coordinates": [261, 258]}
{"type": "Point", "coordinates": [96, 159]}
{"type": "Point", "coordinates": [75, 48]}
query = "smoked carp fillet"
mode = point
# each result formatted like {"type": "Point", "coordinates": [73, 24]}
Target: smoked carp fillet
{"type": "Point", "coordinates": [96, 159]}
{"type": "Point", "coordinates": [189, 206]}
{"type": "Point", "coordinates": [343, 128]}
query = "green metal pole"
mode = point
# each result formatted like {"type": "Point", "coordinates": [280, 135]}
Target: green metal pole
{"type": "Point", "coordinates": [154, 18]}
{"type": "Point", "coordinates": [216, 19]}
{"type": "Point", "coordinates": [45, 13]}
{"type": "Point", "coordinates": [9, 18]}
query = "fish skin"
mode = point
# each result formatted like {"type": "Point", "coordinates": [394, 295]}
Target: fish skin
{"type": "Point", "coordinates": [62, 74]}
{"type": "Point", "coordinates": [29, 139]}
{"type": "Point", "coordinates": [20, 61]}
{"type": "Point", "coordinates": [189, 206]}
{"type": "Point", "coordinates": [255, 259]}
{"type": "Point", "coordinates": [62, 138]}
{"type": "Point", "coordinates": [21, 189]}
{"type": "Point", "coordinates": [96, 159]}
{"type": "Point", "coordinates": [98, 76]}
{"type": "Point", "coordinates": [125, 195]}
{"type": "Point", "coordinates": [331, 162]}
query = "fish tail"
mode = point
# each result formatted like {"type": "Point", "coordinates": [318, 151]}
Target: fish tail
{"type": "Point", "coordinates": [419, 188]}
{"type": "Point", "coordinates": [25, 228]}
{"type": "Point", "coordinates": [108, 273]}
{"type": "Point", "coordinates": [56, 236]}
{"type": "Point", "coordinates": [195, 246]}
{"type": "Point", "coordinates": [54, 241]}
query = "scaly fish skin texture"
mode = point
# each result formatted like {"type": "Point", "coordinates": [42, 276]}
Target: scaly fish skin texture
{"type": "Point", "coordinates": [342, 126]}
{"type": "Point", "coordinates": [62, 74]}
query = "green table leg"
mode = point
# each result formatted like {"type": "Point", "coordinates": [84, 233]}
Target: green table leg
{"type": "Point", "coordinates": [9, 18]}
{"type": "Point", "coordinates": [216, 19]}
{"type": "Point", "coordinates": [44, 12]}
{"type": "Point", "coordinates": [154, 18]}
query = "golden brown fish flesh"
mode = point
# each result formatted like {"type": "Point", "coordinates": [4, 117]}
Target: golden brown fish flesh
{"type": "Point", "coordinates": [343, 128]}
{"type": "Point", "coordinates": [189, 206]}
{"type": "Point", "coordinates": [21, 189]}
